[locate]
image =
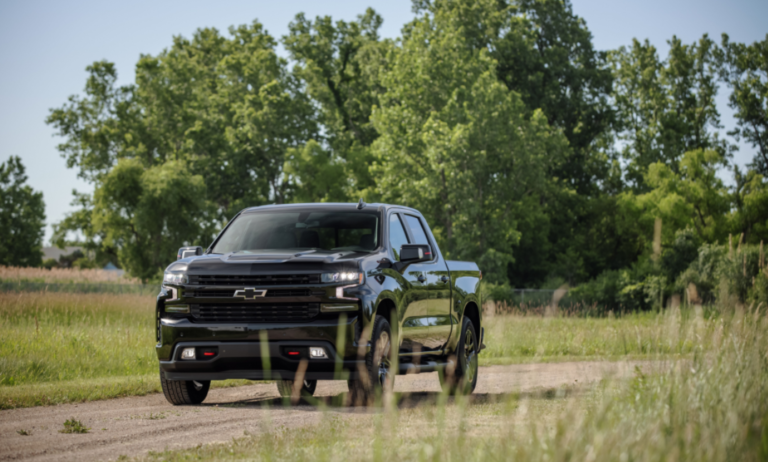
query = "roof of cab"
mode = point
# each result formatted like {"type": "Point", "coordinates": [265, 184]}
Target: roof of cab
{"type": "Point", "coordinates": [328, 205]}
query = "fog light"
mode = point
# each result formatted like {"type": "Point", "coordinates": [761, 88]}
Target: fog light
{"type": "Point", "coordinates": [188, 353]}
{"type": "Point", "coordinates": [317, 352]}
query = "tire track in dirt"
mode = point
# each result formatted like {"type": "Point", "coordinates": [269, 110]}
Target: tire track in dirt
{"type": "Point", "coordinates": [132, 426]}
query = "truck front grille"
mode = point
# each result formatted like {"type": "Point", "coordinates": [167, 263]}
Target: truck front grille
{"type": "Point", "coordinates": [255, 280]}
{"type": "Point", "coordinates": [229, 293]}
{"type": "Point", "coordinates": [256, 313]}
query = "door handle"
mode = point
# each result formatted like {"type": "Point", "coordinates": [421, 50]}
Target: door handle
{"type": "Point", "coordinates": [421, 277]}
{"type": "Point", "coordinates": [444, 279]}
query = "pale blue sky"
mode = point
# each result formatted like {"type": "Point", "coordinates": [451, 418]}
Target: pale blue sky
{"type": "Point", "coordinates": [46, 45]}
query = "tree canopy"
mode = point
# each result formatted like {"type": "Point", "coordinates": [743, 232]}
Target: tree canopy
{"type": "Point", "coordinates": [528, 150]}
{"type": "Point", "coordinates": [22, 217]}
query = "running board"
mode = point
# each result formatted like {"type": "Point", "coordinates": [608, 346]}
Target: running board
{"type": "Point", "coordinates": [429, 366]}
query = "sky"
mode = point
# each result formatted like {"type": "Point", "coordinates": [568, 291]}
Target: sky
{"type": "Point", "coordinates": [45, 47]}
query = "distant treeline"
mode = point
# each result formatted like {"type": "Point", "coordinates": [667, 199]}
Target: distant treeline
{"type": "Point", "coordinates": [528, 150]}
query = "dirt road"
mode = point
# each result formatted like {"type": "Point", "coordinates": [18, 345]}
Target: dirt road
{"type": "Point", "coordinates": [133, 426]}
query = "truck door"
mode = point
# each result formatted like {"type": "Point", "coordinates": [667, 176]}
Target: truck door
{"type": "Point", "coordinates": [434, 291]}
{"type": "Point", "coordinates": [415, 322]}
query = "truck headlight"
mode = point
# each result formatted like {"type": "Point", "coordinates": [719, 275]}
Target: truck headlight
{"type": "Point", "coordinates": [345, 278]}
{"type": "Point", "coordinates": [175, 278]}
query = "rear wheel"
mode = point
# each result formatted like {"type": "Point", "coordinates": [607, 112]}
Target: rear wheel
{"type": "Point", "coordinates": [375, 376]}
{"type": "Point", "coordinates": [285, 387]}
{"type": "Point", "coordinates": [184, 391]}
{"type": "Point", "coordinates": [462, 377]}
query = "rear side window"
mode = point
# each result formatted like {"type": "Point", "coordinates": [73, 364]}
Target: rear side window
{"type": "Point", "coordinates": [397, 236]}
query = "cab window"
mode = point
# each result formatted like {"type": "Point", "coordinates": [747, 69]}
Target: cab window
{"type": "Point", "coordinates": [397, 235]}
{"type": "Point", "coordinates": [417, 230]}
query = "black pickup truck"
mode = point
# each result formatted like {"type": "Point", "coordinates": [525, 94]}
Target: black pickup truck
{"type": "Point", "coordinates": [306, 292]}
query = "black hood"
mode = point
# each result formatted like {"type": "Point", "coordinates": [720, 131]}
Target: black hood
{"type": "Point", "coordinates": [271, 262]}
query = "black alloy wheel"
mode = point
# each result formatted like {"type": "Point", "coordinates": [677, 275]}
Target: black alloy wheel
{"type": "Point", "coordinates": [462, 378]}
{"type": "Point", "coordinates": [376, 377]}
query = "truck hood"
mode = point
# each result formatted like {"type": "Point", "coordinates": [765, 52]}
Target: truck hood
{"type": "Point", "coordinates": [270, 262]}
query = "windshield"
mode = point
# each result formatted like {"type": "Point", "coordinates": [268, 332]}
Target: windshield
{"type": "Point", "coordinates": [274, 230]}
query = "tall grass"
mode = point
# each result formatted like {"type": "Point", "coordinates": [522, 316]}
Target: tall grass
{"type": "Point", "coordinates": [58, 348]}
{"type": "Point", "coordinates": [532, 338]}
{"type": "Point", "coordinates": [711, 406]}
{"type": "Point", "coordinates": [59, 337]}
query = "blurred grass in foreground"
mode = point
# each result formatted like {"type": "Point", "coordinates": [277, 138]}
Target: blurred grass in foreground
{"type": "Point", "coordinates": [710, 406]}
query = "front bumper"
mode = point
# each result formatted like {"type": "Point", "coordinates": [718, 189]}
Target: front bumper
{"type": "Point", "coordinates": [241, 355]}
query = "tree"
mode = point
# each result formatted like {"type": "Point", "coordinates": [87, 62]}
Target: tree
{"type": "Point", "coordinates": [22, 217]}
{"type": "Point", "coordinates": [544, 52]}
{"type": "Point", "coordinates": [750, 206]}
{"type": "Point", "coordinates": [148, 213]}
{"type": "Point", "coordinates": [457, 144]}
{"type": "Point", "coordinates": [214, 115]}
{"type": "Point", "coordinates": [746, 71]}
{"type": "Point", "coordinates": [339, 63]}
{"type": "Point", "coordinates": [687, 195]}
{"type": "Point", "coordinates": [666, 108]}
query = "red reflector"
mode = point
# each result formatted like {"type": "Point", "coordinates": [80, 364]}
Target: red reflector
{"type": "Point", "coordinates": [208, 353]}
{"type": "Point", "coordinates": [427, 253]}
{"type": "Point", "coordinates": [293, 353]}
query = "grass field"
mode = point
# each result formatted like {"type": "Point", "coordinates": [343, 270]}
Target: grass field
{"type": "Point", "coordinates": [64, 275]}
{"type": "Point", "coordinates": [710, 406]}
{"type": "Point", "coordinates": [57, 348]}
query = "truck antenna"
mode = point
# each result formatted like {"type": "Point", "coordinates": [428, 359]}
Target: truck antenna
{"type": "Point", "coordinates": [361, 204]}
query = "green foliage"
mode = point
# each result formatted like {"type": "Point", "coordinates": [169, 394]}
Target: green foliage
{"type": "Point", "coordinates": [665, 108]}
{"type": "Point", "coordinates": [74, 426]}
{"type": "Point", "coordinates": [22, 217]}
{"type": "Point", "coordinates": [528, 150]}
{"type": "Point", "coordinates": [339, 64]}
{"type": "Point", "coordinates": [450, 151]}
{"type": "Point", "coordinates": [630, 289]}
{"type": "Point", "coordinates": [202, 134]}
{"type": "Point", "coordinates": [317, 177]}
{"type": "Point", "coordinates": [686, 195]}
{"type": "Point", "coordinates": [161, 207]}
{"type": "Point", "coordinates": [746, 71]}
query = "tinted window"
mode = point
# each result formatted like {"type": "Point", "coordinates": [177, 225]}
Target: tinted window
{"type": "Point", "coordinates": [419, 235]}
{"type": "Point", "coordinates": [397, 236]}
{"type": "Point", "coordinates": [275, 230]}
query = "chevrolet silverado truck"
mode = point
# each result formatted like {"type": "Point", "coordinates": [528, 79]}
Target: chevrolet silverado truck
{"type": "Point", "coordinates": [306, 292]}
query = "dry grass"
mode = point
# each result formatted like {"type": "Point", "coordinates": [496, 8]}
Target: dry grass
{"type": "Point", "coordinates": [63, 275]}
{"type": "Point", "coordinates": [710, 406]}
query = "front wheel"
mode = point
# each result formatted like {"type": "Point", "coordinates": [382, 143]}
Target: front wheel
{"type": "Point", "coordinates": [184, 391]}
{"type": "Point", "coordinates": [376, 376]}
{"type": "Point", "coordinates": [462, 377]}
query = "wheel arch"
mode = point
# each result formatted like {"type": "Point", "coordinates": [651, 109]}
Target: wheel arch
{"type": "Point", "coordinates": [472, 312]}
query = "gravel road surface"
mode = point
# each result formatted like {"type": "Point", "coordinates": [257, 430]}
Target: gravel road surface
{"type": "Point", "coordinates": [133, 426]}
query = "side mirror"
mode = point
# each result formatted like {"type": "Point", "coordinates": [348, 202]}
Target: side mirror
{"type": "Point", "coordinates": [413, 253]}
{"type": "Point", "coordinates": [192, 251]}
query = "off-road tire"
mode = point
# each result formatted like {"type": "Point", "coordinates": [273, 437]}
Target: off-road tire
{"type": "Point", "coordinates": [179, 392]}
{"type": "Point", "coordinates": [363, 392]}
{"type": "Point", "coordinates": [285, 387]}
{"type": "Point", "coordinates": [462, 378]}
